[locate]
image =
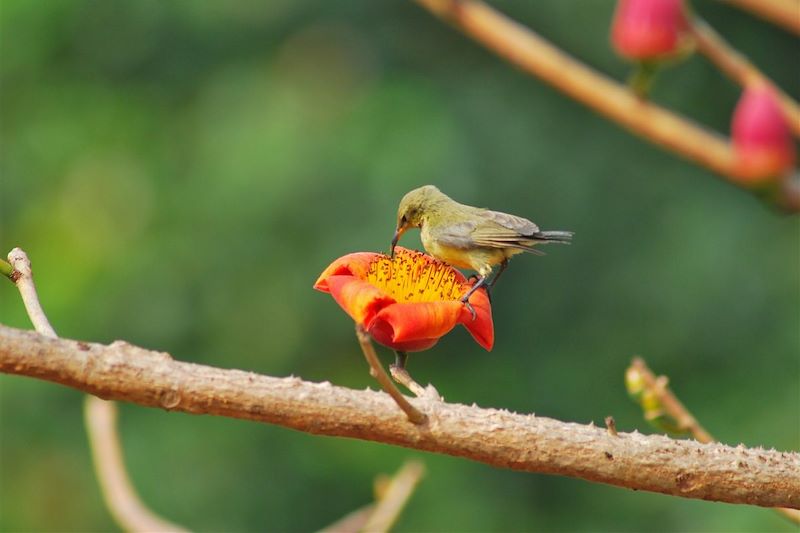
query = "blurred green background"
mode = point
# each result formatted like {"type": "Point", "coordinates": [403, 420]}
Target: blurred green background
{"type": "Point", "coordinates": [180, 173]}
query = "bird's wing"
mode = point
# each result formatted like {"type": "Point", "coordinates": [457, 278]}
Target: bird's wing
{"type": "Point", "coordinates": [501, 230]}
{"type": "Point", "coordinates": [457, 235]}
{"type": "Point", "coordinates": [520, 226]}
{"type": "Point", "coordinates": [517, 242]}
{"type": "Point", "coordinates": [466, 235]}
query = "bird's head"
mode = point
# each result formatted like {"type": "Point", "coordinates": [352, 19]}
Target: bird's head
{"type": "Point", "coordinates": [413, 209]}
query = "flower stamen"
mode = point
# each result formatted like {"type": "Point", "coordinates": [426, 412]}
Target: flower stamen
{"type": "Point", "coordinates": [413, 277]}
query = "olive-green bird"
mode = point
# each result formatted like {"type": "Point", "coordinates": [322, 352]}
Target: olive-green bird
{"type": "Point", "coordinates": [469, 237]}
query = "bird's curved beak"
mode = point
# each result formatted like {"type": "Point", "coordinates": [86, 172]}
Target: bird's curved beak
{"type": "Point", "coordinates": [398, 232]}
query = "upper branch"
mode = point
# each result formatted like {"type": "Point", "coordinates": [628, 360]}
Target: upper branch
{"type": "Point", "coordinates": [781, 12]}
{"type": "Point", "coordinates": [739, 68]}
{"type": "Point", "coordinates": [655, 463]}
{"type": "Point", "coordinates": [532, 53]}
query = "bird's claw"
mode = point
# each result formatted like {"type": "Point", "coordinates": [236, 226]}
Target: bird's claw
{"type": "Point", "coordinates": [470, 309]}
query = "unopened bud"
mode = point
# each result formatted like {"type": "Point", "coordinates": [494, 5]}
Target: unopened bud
{"type": "Point", "coordinates": [649, 29]}
{"type": "Point", "coordinates": [761, 137]}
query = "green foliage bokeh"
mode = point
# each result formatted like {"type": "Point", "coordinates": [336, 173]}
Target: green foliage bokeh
{"type": "Point", "coordinates": [180, 172]}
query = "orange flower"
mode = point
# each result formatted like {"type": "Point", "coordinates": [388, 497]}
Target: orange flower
{"type": "Point", "coordinates": [406, 303]}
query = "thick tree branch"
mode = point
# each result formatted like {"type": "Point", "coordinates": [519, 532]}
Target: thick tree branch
{"type": "Point", "coordinates": [655, 463]}
{"type": "Point", "coordinates": [529, 51]}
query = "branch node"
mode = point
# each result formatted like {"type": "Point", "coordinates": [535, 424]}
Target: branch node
{"type": "Point", "coordinates": [169, 399]}
{"type": "Point", "coordinates": [611, 426]}
{"type": "Point", "coordinates": [402, 376]}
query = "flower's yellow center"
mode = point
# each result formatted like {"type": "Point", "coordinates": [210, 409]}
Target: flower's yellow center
{"type": "Point", "coordinates": [414, 277]}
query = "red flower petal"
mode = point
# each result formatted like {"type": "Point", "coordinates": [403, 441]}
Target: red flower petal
{"type": "Point", "coordinates": [358, 298]}
{"type": "Point", "coordinates": [482, 328]}
{"type": "Point", "coordinates": [647, 29]}
{"type": "Point", "coordinates": [383, 333]}
{"type": "Point", "coordinates": [355, 264]}
{"type": "Point", "coordinates": [416, 321]}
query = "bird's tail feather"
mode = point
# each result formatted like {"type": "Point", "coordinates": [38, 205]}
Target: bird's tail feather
{"type": "Point", "coordinates": [564, 237]}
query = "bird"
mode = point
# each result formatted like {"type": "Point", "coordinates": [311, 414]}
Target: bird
{"type": "Point", "coordinates": [469, 237]}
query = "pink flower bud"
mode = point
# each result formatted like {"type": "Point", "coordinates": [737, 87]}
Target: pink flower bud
{"type": "Point", "coordinates": [648, 29]}
{"type": "Point", "coordinates": [761, 137]}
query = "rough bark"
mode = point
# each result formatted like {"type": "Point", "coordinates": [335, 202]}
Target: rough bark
{"type": "Point", "coordinates": [124, 372]}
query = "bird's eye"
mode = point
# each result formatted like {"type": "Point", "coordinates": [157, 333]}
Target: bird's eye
{"type": "Point", "coordinates": [403, 220]}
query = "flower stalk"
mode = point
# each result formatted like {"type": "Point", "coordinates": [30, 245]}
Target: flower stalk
{"type": "Point", "coordinates": [376, 370]}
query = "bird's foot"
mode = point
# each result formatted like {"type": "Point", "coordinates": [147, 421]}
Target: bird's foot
{"type": "Point", "coordinates": [488, 286]}
{"type": "Point", "coordinates": [465, 301]}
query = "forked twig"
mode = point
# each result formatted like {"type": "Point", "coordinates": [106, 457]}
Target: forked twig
{"type": "Point", "coordinates": [376, 369]}
{"type": "Point", "coordinates": [100, 417]}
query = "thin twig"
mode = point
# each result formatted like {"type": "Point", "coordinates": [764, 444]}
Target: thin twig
{"type": "Point", "coordinates": [117, 490]}
{"type": "Point", "coordinates": [672, 405]}
{"type": "Point", "coordinates": [376, 369]}
{"type": "Point", "coordinates": [535, 55]}
{"type": "Point", "coordinates": [100, 418]}
{"type": "Point", "coordinates": [499, 438]}
{"type": "Point", "coordinates": [685, 419]}
{"type": "Point", "coordinates": [23, 279]}
{"type": "Point", "coordinates": [395, 496]}
{"type": "Point", "coordinates": [737, 67]}
{"type": "Point", "coordinates": [352, 522]}
{"type": "Point", "coordinates": [402, 376]}
{"type": "Point", "coordinates": [391, 496]}
{"type": "Point", "coordinates": [785, 13]}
